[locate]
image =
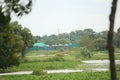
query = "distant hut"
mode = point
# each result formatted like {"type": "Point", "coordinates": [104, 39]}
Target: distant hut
{"type": "Point", "coordinates": [40, 46]}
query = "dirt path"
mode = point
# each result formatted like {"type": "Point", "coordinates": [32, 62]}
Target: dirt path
{"type": "Point", "coordinates": [102, 62]}
{"type": "Point", "coordinates": [17, 73]}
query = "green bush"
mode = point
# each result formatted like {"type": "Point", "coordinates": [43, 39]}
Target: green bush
{"type": "Point", "coordinates": [84, 52]}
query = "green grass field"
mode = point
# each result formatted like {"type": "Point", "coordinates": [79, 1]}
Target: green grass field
{"type": "Point", "coordinates": [54, 60]}
{"type": "Point", "coordinates": [62, 76]}
{"type": "Point", "coordinates": [69, 55]}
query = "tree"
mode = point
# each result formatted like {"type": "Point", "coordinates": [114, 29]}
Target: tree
{"type": "Point", "coordinates": [25, 35]}
{"type": "Point", "coordinates": [10, 42]}
{"type": "Point", "coordinates": [10, 47]}
{"type": "Point", "coordinates": [103, 35]}
{"type": "Point", "coordinates": [117, 38]}
{"type": "Point", "coordinates": [37, 38]}
{"type": "Point", "coordinates": [100, 44]}
{"type": "Point", "coordinates": [19, 7]}
{"type": "Point", "coordinates": [64, 38]}
{"type": "Point", "coordinates": [87, 42]}
{"type": "Point", "coordinates": [110, 40]}
{"type": "Point", "coordinates": [27, 40]}
{"type": "Point", "coordinates": [52, 39]}
{"type": "Point", "coordinates": [89, 32]}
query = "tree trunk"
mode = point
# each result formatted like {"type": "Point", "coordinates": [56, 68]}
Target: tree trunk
{"type": "Point", "coordinates": [110, 41]}
{"type": "Point", "coordinates": [23, 52]}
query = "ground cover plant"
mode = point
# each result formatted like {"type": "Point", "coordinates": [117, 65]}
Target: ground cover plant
{"type": "Point", "coordinates": [72, 54]}
{"type": "Point", "coordinates": [39, 63]}
{"type": "Point", "coordinates": [62, 76]}
{"type": "Point", "coordinates": [69, 60]}
{"type": "Point", "coordinates": [31, 66]}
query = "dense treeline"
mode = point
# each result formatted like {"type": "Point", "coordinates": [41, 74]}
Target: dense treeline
{"type": "Point", "coordinates": [85, 38]}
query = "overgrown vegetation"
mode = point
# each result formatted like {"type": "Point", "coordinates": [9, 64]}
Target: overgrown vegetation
{"type": "Point", "coordinates": [10, 40]}
{"type": "Point", "coordinates": [36, 63]}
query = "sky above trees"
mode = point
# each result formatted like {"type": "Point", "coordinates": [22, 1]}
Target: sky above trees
{"type": "Point", "coordinates": [48, 16]}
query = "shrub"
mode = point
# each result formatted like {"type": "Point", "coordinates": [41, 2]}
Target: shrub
{"type": "Point", "coordinates": [60, 54]}
{"type": "Point", "coordinates": [84, 52]}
